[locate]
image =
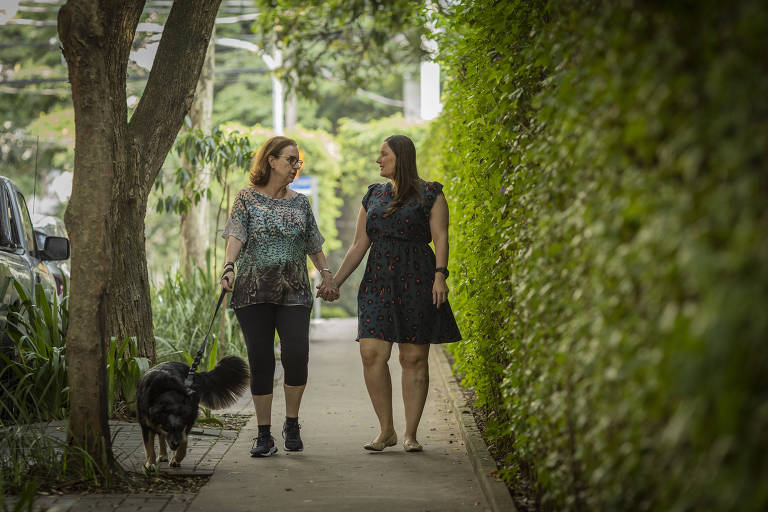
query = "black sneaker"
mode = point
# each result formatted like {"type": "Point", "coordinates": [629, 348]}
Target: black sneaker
{"type": "Point", "coordinates": [264, 446]}
{"type": "Point", "coordinates": [292, 438]}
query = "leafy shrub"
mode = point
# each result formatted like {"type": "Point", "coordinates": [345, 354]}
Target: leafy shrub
{"type": "Point", "coordinates": [34, 372]}
{"type": "Point", "coordinates": [606, 173]}
{"type": "Point", "coordinates": [124, 369]}
{"type": "Point", "coordinates": [182, 309]}
{"type": "Point", "coordinates": [34, 390]}
{"type": "Point", "coordinates": [33, 377]}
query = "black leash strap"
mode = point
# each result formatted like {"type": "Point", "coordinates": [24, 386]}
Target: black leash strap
{"type": "Point", "coordinates": [199, 356]}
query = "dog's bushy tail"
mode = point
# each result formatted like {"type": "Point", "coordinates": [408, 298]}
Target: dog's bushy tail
{"type": "Point", "coordinates": [221, 386]}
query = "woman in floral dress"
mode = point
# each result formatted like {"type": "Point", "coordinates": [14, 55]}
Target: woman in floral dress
{"type": "Point", "coordinates": [403, 297]}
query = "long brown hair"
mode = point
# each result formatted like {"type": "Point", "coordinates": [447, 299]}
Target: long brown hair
{"type": "Point", "coordinates": [406, 176]}
{"type": "Point", "coordinates": [260, 169]}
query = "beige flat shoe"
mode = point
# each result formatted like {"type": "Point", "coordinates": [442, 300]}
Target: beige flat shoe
{"type": "Point", "coordinates": [377, 446]}
{"type": "Point", "coordinates": [412, 446]}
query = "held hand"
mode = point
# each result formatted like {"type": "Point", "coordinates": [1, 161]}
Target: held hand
{"type": "Point", "coordinates": [333, 289]}
{"type": "Point", "coordinates": [439, 290]}
{"type": "Point", "coordinates": [325, 293]}
{"type": "Point", "coordinates": [327, 290]}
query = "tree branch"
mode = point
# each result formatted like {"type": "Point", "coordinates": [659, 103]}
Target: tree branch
{"type": "Point", "coordinates": [171, 84]}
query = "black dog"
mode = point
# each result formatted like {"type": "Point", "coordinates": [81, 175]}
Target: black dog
{"type": "Point", "coordinates": [167, 407]}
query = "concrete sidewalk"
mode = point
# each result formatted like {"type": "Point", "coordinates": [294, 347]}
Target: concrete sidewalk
{"type": "Point", "coordinates": [333, 472]}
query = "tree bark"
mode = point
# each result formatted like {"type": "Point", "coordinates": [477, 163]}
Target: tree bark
{"type": "Point", "coordinates": [194, 223]}
{"type": "Point", "coordinates": [159, 115]}
{"type": "Point", "coordinates": [116, 163]}
{"type": "Point", "coordinates": [97, 54]}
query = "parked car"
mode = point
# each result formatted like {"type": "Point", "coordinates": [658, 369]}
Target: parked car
{"type": "Point", "coordinates": [23, 254]}
{"type": "Point", "coordinates": [47, 226]}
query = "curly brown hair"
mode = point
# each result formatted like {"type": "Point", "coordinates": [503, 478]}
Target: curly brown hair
{"type": "Point", "coordinates": [260, 169]}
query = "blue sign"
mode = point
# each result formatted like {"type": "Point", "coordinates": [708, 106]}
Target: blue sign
{"type": "Point", "coordinates": [303, 185]}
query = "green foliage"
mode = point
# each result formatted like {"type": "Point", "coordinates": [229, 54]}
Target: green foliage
{"type": "Point", "coordinates": [31, 57]}
{"type": "Point", "coordinates": [221, 150]}
{"type": "Point", "coordinates": [356, 41]}
{"type": "Point", "coordinates": [30, 53]}
{"type": "Point", "coordinates": [607, 162]}
{"type": "Point", "coordinates": [29, 456]}
{"type": "Point", "coordinates": [208, 419]}
{"type": "Point", "coordinates": [33, 375]}
{"type": "Point", "coordinates": [26, 498]}
{"type": "Point", "coordinates": [124, 369]}
{"type": "Point", "coordinates": [321, 110]}
{"type": "Point", "coordinates": [34, 390]}
{"type": "Point", "coordinates": [181, 312]}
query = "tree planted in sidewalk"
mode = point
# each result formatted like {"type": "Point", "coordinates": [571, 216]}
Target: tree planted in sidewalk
{"type": "Point", "coordinates": [116, 162]}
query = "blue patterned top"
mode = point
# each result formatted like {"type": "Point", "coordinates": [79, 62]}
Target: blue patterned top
{"type": "Point", "coordinates": [277, 235]}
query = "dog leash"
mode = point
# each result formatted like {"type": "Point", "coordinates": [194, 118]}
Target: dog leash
{"type": "Point", "coordinates": [199, 356]}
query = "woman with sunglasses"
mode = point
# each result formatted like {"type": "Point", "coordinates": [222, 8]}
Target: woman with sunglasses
{"type": "Point", "coordinates": [269, 233]}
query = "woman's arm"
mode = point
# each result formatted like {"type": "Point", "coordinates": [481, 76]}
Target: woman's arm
{"type": "Point", "coordinates": [438, 225]}
{"type": "Point", "coordinates": [356, 251]}
{"type": "Point", "coordinates": [233, 251]}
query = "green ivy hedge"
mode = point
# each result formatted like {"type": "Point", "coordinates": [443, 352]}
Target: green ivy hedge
{"type": "Point", "coordinates": [605, 166]}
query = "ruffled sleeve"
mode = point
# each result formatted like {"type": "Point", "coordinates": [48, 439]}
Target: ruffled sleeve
{"type": "Point", "coordinates": [313, 238]}
{"type": "Point", "coordinates": [367, 195]}
{"type": "Point", "coordinates": [432, 189]}
{"type": "Point", "coordinates": [237, 223]}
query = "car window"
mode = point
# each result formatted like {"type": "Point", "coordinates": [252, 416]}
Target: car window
{"type": "Point", "coordinates": [5, 228]}
{"type": "Point", "coordinates": [26, 223]}
{"type": "Point", "coordinates": [15, 238]}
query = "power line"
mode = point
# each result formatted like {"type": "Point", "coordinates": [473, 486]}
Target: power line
{"type": "Point", "coordinates": [132, 78]}
{"type": "Point", "coordinates": [226, 20]}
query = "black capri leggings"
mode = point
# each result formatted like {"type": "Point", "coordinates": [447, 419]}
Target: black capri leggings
{"type": "Point", "coordinates": [258, 322]}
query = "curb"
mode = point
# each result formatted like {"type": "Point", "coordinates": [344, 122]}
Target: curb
{"type": "Point", "coordinates": [496, 493]}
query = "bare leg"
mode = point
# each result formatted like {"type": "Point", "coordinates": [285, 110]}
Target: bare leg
{"type": "Point", "coordinates": [293, 400]}
{"type": "Point", "coordinates": [415, 380]}
{"type": "Point", "coordinates": [375, 354]}
{"type": "Point", "coordinates": [263, 406]}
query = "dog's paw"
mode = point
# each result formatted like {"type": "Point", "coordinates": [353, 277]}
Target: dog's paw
{"type": "Point", "coordinates": [162, 458]}
{"type": "Point", "coordinates": [175, 464]}
{"type": "Point", "coordinates": [150, 468]}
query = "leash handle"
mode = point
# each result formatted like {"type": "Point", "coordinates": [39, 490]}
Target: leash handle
{"type": "Point", "coordinates": [200, 352]}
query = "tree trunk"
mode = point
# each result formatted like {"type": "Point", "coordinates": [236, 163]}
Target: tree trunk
{"type": "Point", "coordinates": [194, 223]}
{"type": "Point", "coordinates": [96, 56]}
{"type": "Point", "coordinates": [128, 303]}
{"type": "Point", "coordinates": [116, 163]}
{"type": "Point", "coordinates": [159, 115]}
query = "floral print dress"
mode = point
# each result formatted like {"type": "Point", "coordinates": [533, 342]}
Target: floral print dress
{"type": "Point", "coordinates": [277, 235]}
{"type": "Point", "coordinates": [395, 297]}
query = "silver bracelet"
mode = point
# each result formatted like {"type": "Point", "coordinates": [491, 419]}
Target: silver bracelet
{"type": "Point", "coordinates": [326, 270]}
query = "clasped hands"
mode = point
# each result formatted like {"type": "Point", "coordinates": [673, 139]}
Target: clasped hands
{"type": "Point", "coordinates": [327, 290]}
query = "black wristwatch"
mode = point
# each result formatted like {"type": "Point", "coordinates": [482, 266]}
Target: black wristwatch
{"type": "Point", "coordinates": [443, 270]}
